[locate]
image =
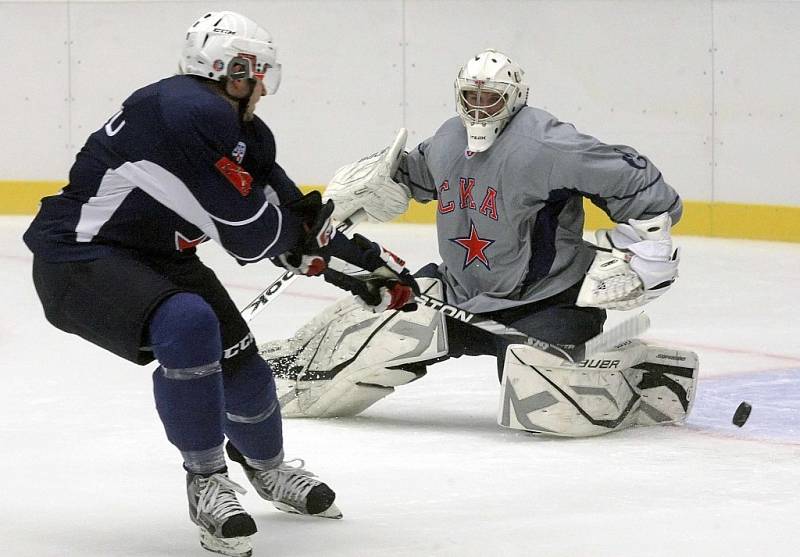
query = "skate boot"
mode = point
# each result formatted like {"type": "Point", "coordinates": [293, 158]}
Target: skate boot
{"type": "Point", "coordinates": [291, 489]}
{"type": "Point", "coordinates": [225, 527]}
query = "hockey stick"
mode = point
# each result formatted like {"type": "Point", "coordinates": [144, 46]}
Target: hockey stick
{"type": "Point", "coordinates": [391, 156]}
{"type": "Point", "coordinates": [282, 282]}
{"type": "Point", "coordinates": [624, 331]}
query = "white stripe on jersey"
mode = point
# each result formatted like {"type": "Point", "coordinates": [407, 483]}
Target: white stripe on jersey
{"type": "Point", "coordinates": [164, 187]}
{"type": "Point", "coordinates": [272, 243]}
{"type": "Point", "coordinates": [98, 209]}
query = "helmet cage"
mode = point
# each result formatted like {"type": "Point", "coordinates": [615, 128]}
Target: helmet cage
{"type": "Point", "coordinates": [481, 112]}
{"type": "Point", "coordinates": [248, 66]}
{"type": "Point", "coordinates": [489, 72]}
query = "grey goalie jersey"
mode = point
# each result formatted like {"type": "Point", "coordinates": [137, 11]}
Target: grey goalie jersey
{"type": "Point", "coordinates": [510, 219]}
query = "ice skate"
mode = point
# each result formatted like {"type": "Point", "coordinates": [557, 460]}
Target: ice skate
{"type": "Point", "coordinates": [225, 527]}
{"type": "Point", "coordinates": [291, 489]}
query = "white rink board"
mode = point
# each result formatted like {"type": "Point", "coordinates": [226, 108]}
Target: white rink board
{"type": "Point", "coordinates": [758, 84]}
{"type": "Point", "coordinates": [719, 122]}
{"type": "Point", "coordinates": [626, 72]}
{"type": "Point", "coordinates": [34, 98]}
{"type": "Point", "coordinates": [342, 86]}
{"type": "Point", "coordinates": [116, 49]}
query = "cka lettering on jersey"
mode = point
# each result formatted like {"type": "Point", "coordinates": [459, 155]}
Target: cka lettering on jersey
{"type": "Point", "coordinates": [474, 244]}
{"type": "Point", "coordinates": [466, 198]}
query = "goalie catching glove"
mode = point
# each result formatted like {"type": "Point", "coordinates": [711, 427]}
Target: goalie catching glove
{"type": "Point", "coordinates": [368, 185]}
{"type": "Point", "coordinates": [635, 264]}
{"type": "Point", "coordinates": [310, 257]}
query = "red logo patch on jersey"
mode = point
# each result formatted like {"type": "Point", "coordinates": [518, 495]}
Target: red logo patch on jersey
{"type": "Point", "coordinates": [183, 243]}
{"type": "Point", "coordinates": [236, 175]}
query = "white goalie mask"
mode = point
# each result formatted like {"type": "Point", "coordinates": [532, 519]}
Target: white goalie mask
{"type": "Point", "coordinates": [489, 92]}
{"type": "Point", "coordinates": [220, 44]}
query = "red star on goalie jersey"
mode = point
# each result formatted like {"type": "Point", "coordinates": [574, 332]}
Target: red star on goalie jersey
{"type": "Point", "coordinates": [475, 246]}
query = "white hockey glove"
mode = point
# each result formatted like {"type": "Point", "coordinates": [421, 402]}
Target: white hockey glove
{"type": "Point", "coordinates": [368, 185]}
{"type": "Point", "coordinates": [635, 265]}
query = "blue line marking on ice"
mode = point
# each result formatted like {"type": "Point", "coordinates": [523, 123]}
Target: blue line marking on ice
{"type": "Point", "coordinates": [774, 396]}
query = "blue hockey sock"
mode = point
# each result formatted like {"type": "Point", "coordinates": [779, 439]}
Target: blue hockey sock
{"type": "Point", "coordinates": [253, 415]}
{"type": "Point", "coordinates": [192, 413]}
{"type": "Point", "coordinates": [188, 387]}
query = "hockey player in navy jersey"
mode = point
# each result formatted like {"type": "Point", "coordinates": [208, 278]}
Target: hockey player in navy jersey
{"type": "Point", "coordinates": [184, 161]}
{"type": "Point", "coordinates": [508, 181]}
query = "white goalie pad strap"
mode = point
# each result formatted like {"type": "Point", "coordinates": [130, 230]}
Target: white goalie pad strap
{"type": "Point", "coordinates": [368, 185]}
{"type": "Point", "coordinates": [635, 384]}
{"type": "Point", "coordinates": [347, 358]}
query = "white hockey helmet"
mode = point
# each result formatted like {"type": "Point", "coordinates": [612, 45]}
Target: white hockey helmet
{"type": "Point", "coordinates": [219, 42]}
{"type": "Point", "coordinates": [489, 92]}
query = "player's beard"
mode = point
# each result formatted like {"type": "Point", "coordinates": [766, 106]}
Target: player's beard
{"type": "Point", "coordinates": [247, 105]}
{"type": "Point", "coordinates": [246, 110]}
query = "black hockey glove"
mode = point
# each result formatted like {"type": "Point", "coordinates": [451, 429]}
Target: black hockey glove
{"type": "Point", "coordinates": [378, 291]}
{"type": "Point", "coordinates": [311, 256]}
{"type": "Point", "coordinates": [389, 286]}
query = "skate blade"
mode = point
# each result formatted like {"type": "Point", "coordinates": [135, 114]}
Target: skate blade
{"type": "Point", "coordinates": [233, 547]}
{"type": "Point", "coordinates": [331, 512]}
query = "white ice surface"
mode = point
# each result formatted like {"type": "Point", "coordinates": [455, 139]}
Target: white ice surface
{"type": "Point", "coordinates": [87, 471]}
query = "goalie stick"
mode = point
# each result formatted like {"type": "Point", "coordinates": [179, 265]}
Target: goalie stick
{"type": "Point", "coordinates": [616, 335]}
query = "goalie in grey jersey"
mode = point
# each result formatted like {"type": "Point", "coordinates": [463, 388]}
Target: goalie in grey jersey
{"type": "Point", "coordinates": [508, 180]}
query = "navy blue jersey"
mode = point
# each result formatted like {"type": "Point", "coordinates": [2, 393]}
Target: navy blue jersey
{"type": "Point", "coordinates": [173, 168]}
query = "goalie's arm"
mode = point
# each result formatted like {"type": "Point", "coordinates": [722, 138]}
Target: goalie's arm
{"type": "Point", "coordinates": [413, 171]}
{"type": "Point", "coordinates": [640, 263]}
{"type": "Point", "coordinates": [636, 262]}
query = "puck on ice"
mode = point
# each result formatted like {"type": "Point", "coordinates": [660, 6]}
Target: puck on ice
{"type": "Point", "coordinates": [741, 414]}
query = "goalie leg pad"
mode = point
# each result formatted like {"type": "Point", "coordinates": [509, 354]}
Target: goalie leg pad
{"type": "Point", "coordinates": [348, 395]}
{"type": "Point", "coordinates": [348, 358]}
{"type": "Point", "coordinates": [667, 382]}
{"type": "Point", "coordinates": [635, 384]}
{"type": "Point", "coordinates": [586, 399]}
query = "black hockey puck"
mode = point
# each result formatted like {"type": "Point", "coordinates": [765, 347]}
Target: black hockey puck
{"type": "Point", "coordinates": [741, 414]}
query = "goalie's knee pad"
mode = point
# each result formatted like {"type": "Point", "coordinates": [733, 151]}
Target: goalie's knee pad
{"type": "Point", "coordinates": [635, 384]}
{"type": "Point", "coordinates": [348, 358]}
